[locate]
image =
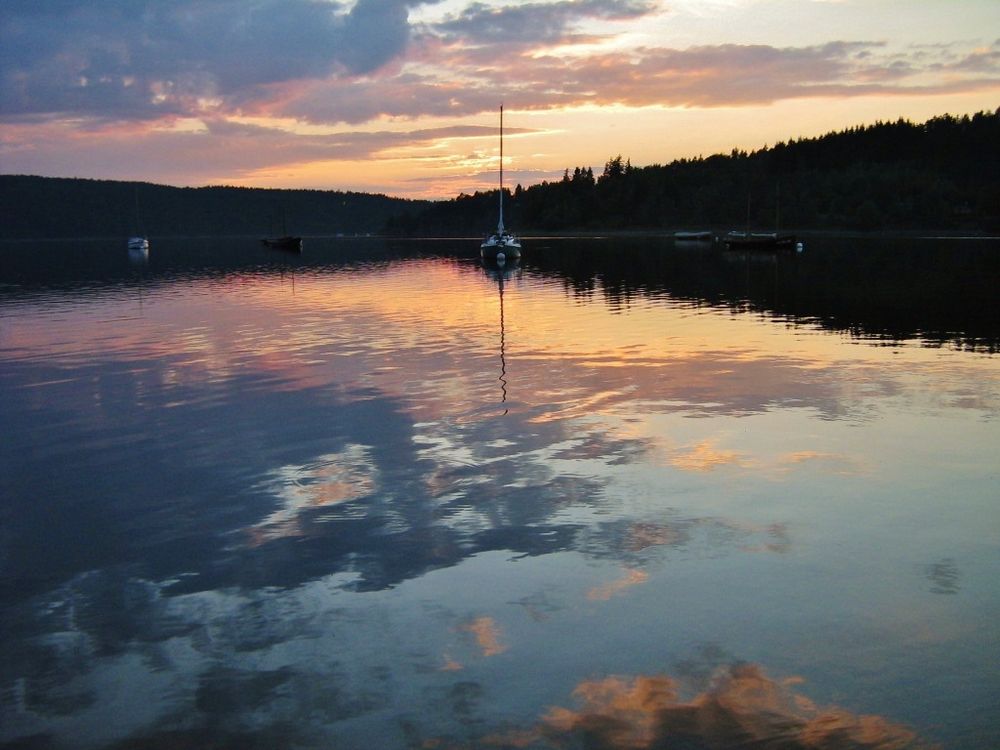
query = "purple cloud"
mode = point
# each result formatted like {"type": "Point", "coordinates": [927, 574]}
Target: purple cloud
{"type": "Point", "coordinates": [184, 158]}
{"type": "Point", "coordinates": [324, 61]}
{"type": "Point", "coordinates": [520, 25]}
{"type": "Point", "coordinates": [136, 60]}
{"type": "Point", "coordinates": [703, 76]}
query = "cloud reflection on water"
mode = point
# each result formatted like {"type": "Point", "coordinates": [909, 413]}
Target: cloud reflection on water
{"type": "Point", "coordinates": [487, 635]}
{"type": "Point", "coordinates": [330, 480]}
{"type": "Point", "coordinates": [233, 491]}
{"type": "Point", "coordinates": [436, 467]}
{"type": "Point", "coordinates": [743, 707]}
{"type": "Point", "coordinates": [630, 577]}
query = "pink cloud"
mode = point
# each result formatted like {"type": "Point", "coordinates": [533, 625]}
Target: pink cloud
{"type": "Point", "coordinates": [743, 707]}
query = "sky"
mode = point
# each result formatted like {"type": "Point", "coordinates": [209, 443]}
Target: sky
{"type": "Point", "coordinates": [402, 97]}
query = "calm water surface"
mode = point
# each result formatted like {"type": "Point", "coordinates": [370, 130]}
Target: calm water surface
{"type": "Point", "coordinates": [622, 495]}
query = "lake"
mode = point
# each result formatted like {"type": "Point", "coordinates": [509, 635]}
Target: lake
{"type": "Point", "coordinates": [623, 494]}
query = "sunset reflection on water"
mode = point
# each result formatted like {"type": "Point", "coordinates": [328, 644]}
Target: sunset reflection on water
{"type": "Point", "coordinates": [312, 502]}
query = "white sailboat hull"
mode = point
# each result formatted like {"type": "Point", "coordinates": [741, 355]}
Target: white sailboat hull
{"type": "Point", "coordinates": [138, 244]}
{"type": "Point", "coordinates": [501, 244]}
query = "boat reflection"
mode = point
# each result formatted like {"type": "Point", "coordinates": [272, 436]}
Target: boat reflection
{"type": "Point", "coordinates": [502, 271]}
{"type": "Point", "coordinates": [138, 254]}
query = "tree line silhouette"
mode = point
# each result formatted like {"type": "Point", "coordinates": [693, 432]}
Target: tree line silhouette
{"type": "Point", "coordinates": [47, 207]}
{"type": "Point", "coordinates": [944, 173]}
{"type": "Point", "coordinates": [940, 174]}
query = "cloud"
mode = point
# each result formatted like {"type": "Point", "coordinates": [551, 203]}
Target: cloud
{"type": "Point", "coordinates": [487, 634]}
{"type": "Point", "coordinates": [630, 577]}
{"type": "Point", "coordinates": [205, 154]}
{"type": "Point", "coordinates": [408, 94]}
{"type": "Point", "coordinates": [742, 707]}
{"type": "Point", "coordinates": [326, 480]}
{"type": "Point", "coordinates": [134, 60]}
{"type": "Point", "coordinates": [981, 61]}
{"type": "Point", "coordinates": [533, 23]}
{"type": "Point", "coordinates": [701, 76]}
{"type": "Point", "coordinates": [326, 62]}
{"type": "Point", "coordinates": [115, 77]}
{"type": "Point", "coordinates": [144, 59]}
{"type": "Point", "coordinates": [831, 463]}
{"type": "Point", "coordinates": [719, 75]}
{"type": "Point", "coordinates": [706, 456]}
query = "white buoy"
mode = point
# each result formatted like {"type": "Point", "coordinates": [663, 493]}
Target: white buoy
{"type": "Point", "coordinates": [798, 247]}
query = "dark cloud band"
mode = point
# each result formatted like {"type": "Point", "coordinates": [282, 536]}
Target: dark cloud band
{"type": "Point", "coordinates": [140, 60]}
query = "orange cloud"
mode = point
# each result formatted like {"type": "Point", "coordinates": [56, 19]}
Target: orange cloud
{"type": "Point", "coordinates": [644, 535]}
{"type": "Point", "coordinates": [326, 481]}
{"type": "Point", "coordinates": [705, 456]}
{"type": "Point", "coordinates": [777, 540]}
{"type": "Point", "coordinates": [487, 634]}
{"type": "Point", "coordinates": [608, 590]}
{"type": "Point", "coordinates": [744, 707]}
{"type": "Point", "coordinates": [833, 463]}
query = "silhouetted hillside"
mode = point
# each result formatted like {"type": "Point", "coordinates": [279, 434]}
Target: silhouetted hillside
{"type": "Point", "coordinates": [53, 207]}
{"type": "Point", "coordinates": [944, 173]}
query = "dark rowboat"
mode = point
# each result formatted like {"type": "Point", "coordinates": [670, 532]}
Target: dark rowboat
{"type": "Point", "coordinates": [693, 236]}
{"type": "Point", "coordinates": [288, 244]}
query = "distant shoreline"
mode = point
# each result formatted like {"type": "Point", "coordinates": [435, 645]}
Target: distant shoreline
{"type": "Point", "coordinates": [589, 234]}
{"type": "Point", "coordinates": [930, 234]}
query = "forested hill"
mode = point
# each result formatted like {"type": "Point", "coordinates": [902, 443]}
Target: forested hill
{"type": "Point", "coordinates": [941, 174]}
{"type": "Point", "coordinates": [45, 207]}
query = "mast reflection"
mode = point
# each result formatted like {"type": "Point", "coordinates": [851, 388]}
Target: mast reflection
{"type": "Point", "coordinates": [502, 271]}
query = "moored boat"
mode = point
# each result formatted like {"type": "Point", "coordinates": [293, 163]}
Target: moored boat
{"type": "Point", "coordinates": [693, 236]}
{"type": "Point", "coordinates": [747, 240]}
{"type": "Point", "coordinates": [502, 244]}
{"type": "Point", "coordinates": [759, 241]}
{"type": "Point", "coordinates": [289, 244]}
{"type": "Point", "coordinates": [138, 244]}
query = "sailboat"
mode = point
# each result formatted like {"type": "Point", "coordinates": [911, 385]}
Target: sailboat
{"type": "Point", "coordinates": [138, 244]}
{"type": "Point", "coordinates": [501, 245]}
{"type": "Point", "coordinates": [286, 241]}
{"type": "Point", "coordinates": [747, 240]}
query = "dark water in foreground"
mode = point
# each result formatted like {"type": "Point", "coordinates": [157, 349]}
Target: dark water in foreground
{"type": "Point", "coordinates": [625, 494]}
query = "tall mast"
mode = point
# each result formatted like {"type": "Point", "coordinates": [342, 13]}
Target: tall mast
{"type": "Point", "coordinates": [777, 206]}
{"type": "Point", "coordinates": [500, 225]}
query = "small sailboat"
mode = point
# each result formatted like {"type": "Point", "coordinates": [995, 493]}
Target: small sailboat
{"type": "Point", "coordinates": [747, 240]}
{"type": "Point", "coordinates": [737, 240]}
{"type": "Point", "coordinates": [138, 244]}
{"type": "Point", "coordinates": [285, 241]}
{"type": "Point", "coordinates": [501, 245]}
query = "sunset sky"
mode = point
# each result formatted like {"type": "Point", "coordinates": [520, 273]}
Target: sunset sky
{"type": "Point", "coordinates": [402, 96]}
